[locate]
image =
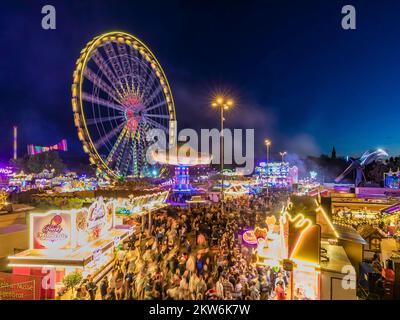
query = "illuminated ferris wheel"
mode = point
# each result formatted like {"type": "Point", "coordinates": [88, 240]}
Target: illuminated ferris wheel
{"type": "Point", "coordinates": [119, 93]}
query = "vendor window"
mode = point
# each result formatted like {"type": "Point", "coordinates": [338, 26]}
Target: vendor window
{"type": "Point", "coordinates": [375, 244]}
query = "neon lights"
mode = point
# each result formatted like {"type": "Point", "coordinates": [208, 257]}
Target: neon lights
{"type": "Point", "coordinates": [89, 53]}
{"type": "Point", "coordinates": [182, 178]}
{"type": "Point", "coordinates": [392, 179]}
{"type": "Point", "coordinates": [69, 229]}
{"type": "Point", "coordinates": [277, 174]}
{"type": "Point", "coordinates": [15, 142]}
{"type": "Point", "coordinates": [33, 150]}
{"type": "Point", "coordinates": [253, 237]}
{"type": "Point", "coordinates": [5, 171]}
{"type": "Point", "coordinates": [320, 209]}
{"type": "Point", "coordinates": [139, 205]}
{"type": "Point", "coordinates": [270, 220]}
{"type": "Point", "coordinates": [299, 221]}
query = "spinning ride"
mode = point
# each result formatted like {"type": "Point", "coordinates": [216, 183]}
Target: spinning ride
{"type": "Point", "coordinates": [358, 165]}
{"type": "Point", "coordinates": [119, 94]}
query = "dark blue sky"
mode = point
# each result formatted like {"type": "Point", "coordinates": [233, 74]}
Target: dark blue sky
{"type": "Point", "coordinates": [299, 78]}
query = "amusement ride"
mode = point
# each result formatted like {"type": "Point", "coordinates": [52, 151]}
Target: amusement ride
{"type": "Point", "coordinates": [119, 94]}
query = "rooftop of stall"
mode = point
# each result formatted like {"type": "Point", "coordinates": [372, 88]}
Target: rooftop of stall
{"type": "Point", "coordinates": [77, 258]}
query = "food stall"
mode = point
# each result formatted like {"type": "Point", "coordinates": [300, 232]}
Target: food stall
{"type": "Point", "coordinates": [294, 248]}
{"type": "Point", "coordinates": [128, 209]}
{"type": "Point", "coordinates": [64, 241]}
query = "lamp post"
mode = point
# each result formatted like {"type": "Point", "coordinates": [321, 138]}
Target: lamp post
{"type": "Point", "coordinates": [222, 103]}
{"type": "Point", "coordinates": [267, 143]}
{"type": "Point", "coordinates": [283, 155]}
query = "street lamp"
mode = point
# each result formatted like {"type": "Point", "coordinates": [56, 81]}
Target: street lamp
{"type": "Point", "coordinates": [283, 155]}
{"type": "Point", "coordinates": [267, 143]}
{"type": "Point", "coordinates": [223, 103]}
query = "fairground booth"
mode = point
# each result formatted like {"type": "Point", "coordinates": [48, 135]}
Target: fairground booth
{"type": "Point", "coordinates": [277, 175]}
{"type": "Point", "coordinates": [306, 246]}
{"type": "Point", "coordinates": [294, 246]}
{"type": "Point", "coordinates": [82, 240]}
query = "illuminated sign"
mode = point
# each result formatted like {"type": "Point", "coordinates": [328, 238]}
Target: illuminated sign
{"type": "Point", "coordinates": [99, 219]}
{"type": "Point", "coordinates": [51, 231]}
{"type": "Point", "coordinates": [5, 171]}
{"type": "Point", "coordinates": [94, 222]}
{"type": "Point", "coordinates": [68, 229]}
{"type": "Point", "coordinates": [300, 237]}
{"type": "Point", "coordinates": [287, 265]}
{"type": "Point", "coordinates": [253, 237]}
{"type": "Point", "coordinates": [19, 287]}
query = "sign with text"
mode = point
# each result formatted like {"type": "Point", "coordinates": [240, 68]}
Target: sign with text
{"type": "Point", "coordinates": [51, 231]}
{"type": "Point", "coordinates": [19, 287]}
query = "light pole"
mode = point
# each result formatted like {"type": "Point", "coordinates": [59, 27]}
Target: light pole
{"type": "Point", "coordinates": [267, 144]}
{"type": "Point", "coordinates": [283, 155]}
{"type": "Point", "coordinates": [222, 103]}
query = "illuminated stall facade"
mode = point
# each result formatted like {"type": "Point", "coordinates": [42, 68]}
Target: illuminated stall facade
{"type": "Point", "coordinates": [301, 255]}
{"type": "Point", "coordinates": [5, 174]}
{"type": "Point", "coordinates": [138, 206]}
{"type": "Point", "coordinates": [294, 246]}
{"type": "Point", "coordinates": [277, 175]}
{"type": "Point", "coordinates": [308, 247]}
{"type": "Point", "coordinates": [392, 179]}
{"type": "Point", "coordinates": [82, 240]}
{"type": "Point", "coordinates": [356, 210]}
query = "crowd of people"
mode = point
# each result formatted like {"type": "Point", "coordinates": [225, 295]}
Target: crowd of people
{"type": "Point", "coordinates": [194, 253]}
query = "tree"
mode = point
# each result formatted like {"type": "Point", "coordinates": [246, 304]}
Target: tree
{"type": "Point", "coordinates": [19, 164]}
{"type": "Point", "coordinates": [34, 164]}
{"type": "Point", "coordinates": [37, 163]}
{"type": "Point", "coordinates": [71, 280]}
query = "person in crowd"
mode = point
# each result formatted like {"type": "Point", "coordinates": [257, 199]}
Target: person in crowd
{"type": "Point", "coordinates": [103, 288]}
{"type": "Point", "coordinates": [376, 263]}
{"type": "Point", "coordinates": [195, 253]}
{"type": "Point", "coordinates": [280, 291]}
{"type": "Point", "coordinates": [91, 287]}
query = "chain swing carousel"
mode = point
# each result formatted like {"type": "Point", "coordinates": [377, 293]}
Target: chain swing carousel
{"type": "Point", "coordinates": [182, 158]}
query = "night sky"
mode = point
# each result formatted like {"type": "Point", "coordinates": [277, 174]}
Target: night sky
{"type": "Point", "coordinates": [297, 76]}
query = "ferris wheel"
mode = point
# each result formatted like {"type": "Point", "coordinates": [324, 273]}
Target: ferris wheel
{"type": "Point", "coordinates": [119, 93]}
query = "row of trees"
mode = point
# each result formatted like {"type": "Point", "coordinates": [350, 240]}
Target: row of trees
{"type": "Point", "coordinates": [376, 170]}
{"type": "Point", "coordinates": [39, 162]}
{"type": "Point", "coordinates": [51, 160]}
{"type": "Point", "coordinates": [329, 168]}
